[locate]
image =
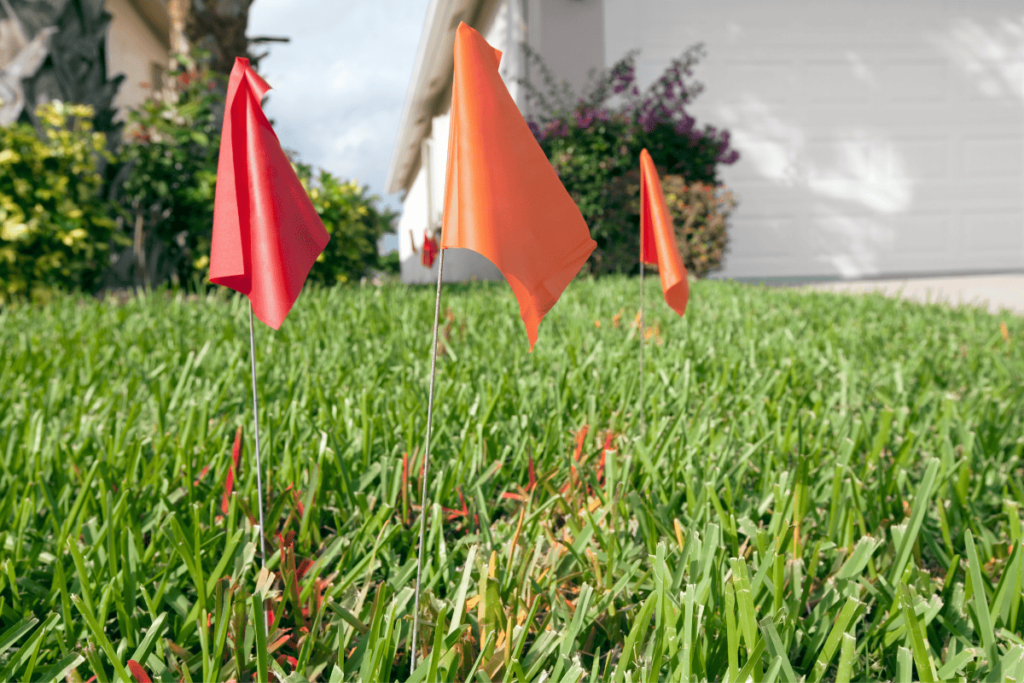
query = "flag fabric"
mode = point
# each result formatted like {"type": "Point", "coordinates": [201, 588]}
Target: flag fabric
{"type": "Point", "coordinates": [430, 250]}
{"type": "Point", "coordinates": [658, 246]}
{"type": "Point", "coordinates": [502, 197]}
{"type": "Point", "coordinates": [266, 233]}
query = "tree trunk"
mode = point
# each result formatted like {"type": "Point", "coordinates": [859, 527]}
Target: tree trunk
{"type": "Point", "coordinates": [218, 26]}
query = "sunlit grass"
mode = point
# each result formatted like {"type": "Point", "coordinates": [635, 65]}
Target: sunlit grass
{"type": "Point", "coordinates": [828, 488]}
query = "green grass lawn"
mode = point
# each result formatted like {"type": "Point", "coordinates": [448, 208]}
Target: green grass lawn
{"type": "Point", "coordinates": [828, 488]}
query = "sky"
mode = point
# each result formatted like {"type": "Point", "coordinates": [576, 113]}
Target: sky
{"type": "Point", "coordinates": [338, 87]}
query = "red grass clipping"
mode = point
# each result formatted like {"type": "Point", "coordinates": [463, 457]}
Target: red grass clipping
{"type": "Point", "coordinates": [658, 246]}
{"type": "Point", "coordinates": [138, 673]}
{"type": "Point", "coordinates": [502, 197]}
{"type": "Point", "coordinates": [266, 233]}
{"type": "Point", "coordinates": [229, 481]}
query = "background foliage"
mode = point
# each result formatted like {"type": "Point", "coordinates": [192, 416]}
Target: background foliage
{"type": "Point", "coordinates": [699, 211]}
{"type": "Point", "coordinates": [170, 154]}
{"type": "Point", "coordinates": [55, 228]}
{"type": "Point", "coordinates": [66, 227]}
{"type": "Point", "coordinates": [354, 222]}
{"type": "Point", "coordinates": [828, 487]}
{"type": "Point", "coordinates": [595, 138]}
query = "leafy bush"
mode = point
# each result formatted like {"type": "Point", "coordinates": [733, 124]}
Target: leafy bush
{"type": "Point", "coordinates": [170, 154]}
{"type": "Point", "coordinates": [595, 139]}
{"type": "Point", "coordinates": [171, 151]}
{"type": "Point", "coordinates": [699, 213]}
{"type": "Point", "coordinates": [354, 223]}
{"type": "Point", "coordinates": [55, 227]}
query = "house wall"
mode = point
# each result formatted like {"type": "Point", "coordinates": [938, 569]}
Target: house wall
{"type": "Point", "coordinates": [411, 225]}
{"type": "Point", "coordinates": [877, 137]}
{"type": "Point", "coordinates": [460, 265]}
{"type": "Point", "coordinates": [501, 25]}
{"type": "Point", "coordinates": [569, 35]}
{"type": "Point", "coordinates": [136, 50]}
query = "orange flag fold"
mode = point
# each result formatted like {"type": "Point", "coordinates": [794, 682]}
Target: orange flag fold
{"type": "Point", "coordinates": [658, 246]}
{"type": "Point", "coordinates": [266, 233]}
{"type": "Point", "coordinates": [502, 197]}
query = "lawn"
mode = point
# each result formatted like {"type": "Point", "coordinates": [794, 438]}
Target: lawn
{"type": "Point", "coordinates": [828, 487]}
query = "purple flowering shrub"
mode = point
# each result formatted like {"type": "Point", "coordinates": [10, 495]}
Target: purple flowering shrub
{"type": "Point", "coordinates": [594, 139]}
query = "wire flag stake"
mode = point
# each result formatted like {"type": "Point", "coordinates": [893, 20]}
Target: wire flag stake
{"type": "Point", "coordinates": [643, 422]}
{"type": "Point", "coordinates": [426, 470]}
{"type": "Point", "coordinates": [259, 466]}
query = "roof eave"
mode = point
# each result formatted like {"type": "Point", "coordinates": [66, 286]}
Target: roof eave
{"type": "Point", "coordinates": [430, 76]}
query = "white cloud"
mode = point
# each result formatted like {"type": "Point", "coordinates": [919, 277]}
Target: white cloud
{"type": "Point", "coordinates": [339, 85]}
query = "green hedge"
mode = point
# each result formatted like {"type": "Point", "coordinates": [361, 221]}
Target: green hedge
{"type": "Point", "coordinates": [55, 228]}
{"type": "Point", "coordinates": [353, 221]}
{"type": "Point", "coordinates": [170, 151]}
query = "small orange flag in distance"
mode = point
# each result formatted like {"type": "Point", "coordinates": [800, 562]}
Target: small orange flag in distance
{"type": "Point", "coordinates": [266, 233]}
{"type": "Point", "coordinates": [658, 245]}
{"type": "Point", "coordinates": [502, 197]}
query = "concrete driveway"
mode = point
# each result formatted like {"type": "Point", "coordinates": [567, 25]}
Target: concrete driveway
{"type": "Point", "coordinates": [994, 292]}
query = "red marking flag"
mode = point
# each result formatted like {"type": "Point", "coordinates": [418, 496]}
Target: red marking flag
{"type": "Point", "coordinates": [266, 233]}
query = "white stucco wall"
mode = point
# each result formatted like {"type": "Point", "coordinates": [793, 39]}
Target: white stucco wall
{"type": "Point", "coordinates": [877, 137]}
{"type": "Point", "coordinates": [132, 49]}
{"type": "Point", "coordinates": [504, 32]}
{"type": "Point", "coordinates": [412, 223]}
{"type": "Point", "coordinates": [569, 35]}
{"type": "Point", "coordinates": [460, 265]}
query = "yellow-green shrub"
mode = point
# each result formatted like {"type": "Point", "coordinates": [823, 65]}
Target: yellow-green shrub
{"type": "Point", "coordinates": [55, 228]}
{"type": "Point", "coordinates": [353, 219]}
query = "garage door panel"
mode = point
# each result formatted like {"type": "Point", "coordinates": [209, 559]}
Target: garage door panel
{"type": "Point", "coordinates": [925, 158]}
{"type": "Point", "coordinates": [955, 195]}
{"type": "Point", "coordinates": [924, 234]}
{"type": "Point", "coordinates": [774, 81]}
{"type": "Point", "coordinates": [787, 266]}
{"type": "Point", "coordinates": [856, 156]}
{"type": "Point", "coordinates": [834, 81]}
{"type": "Point", "coordinates": [993, 157]}
{"type": "Point", "coordinates": [986, 231]}
{"type": "Point", "coordinates": [912, 81]}
{"type": "Point", "coordinates": [763, 236]}
{"type": "Point", "coordinates": [875, 137]}
{"type": "Point", "coordinates": [981, 262]}
{"type": "Point", "coordinates": [762, 198]}
{"type": "Point", "coordinates": [1004, 194]}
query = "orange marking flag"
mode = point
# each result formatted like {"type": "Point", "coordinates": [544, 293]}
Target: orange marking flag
{"type": "Point", "coordinates": [658, 245]}
{"type": "Point", "coordinates": [502, 197]}
{"type": "Point", "coordinates": [266, 233]}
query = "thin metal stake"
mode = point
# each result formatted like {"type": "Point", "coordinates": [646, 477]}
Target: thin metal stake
{"type": "Point", "coordinates": [259, 466]}
{"type": "Point", "coordinates": [643, 421]}
{"type": "Point", "coordinates": [426, 471]}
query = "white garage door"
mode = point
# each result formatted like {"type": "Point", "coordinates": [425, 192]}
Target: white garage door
{"type": "Point", "coordinates": [877, 137]}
